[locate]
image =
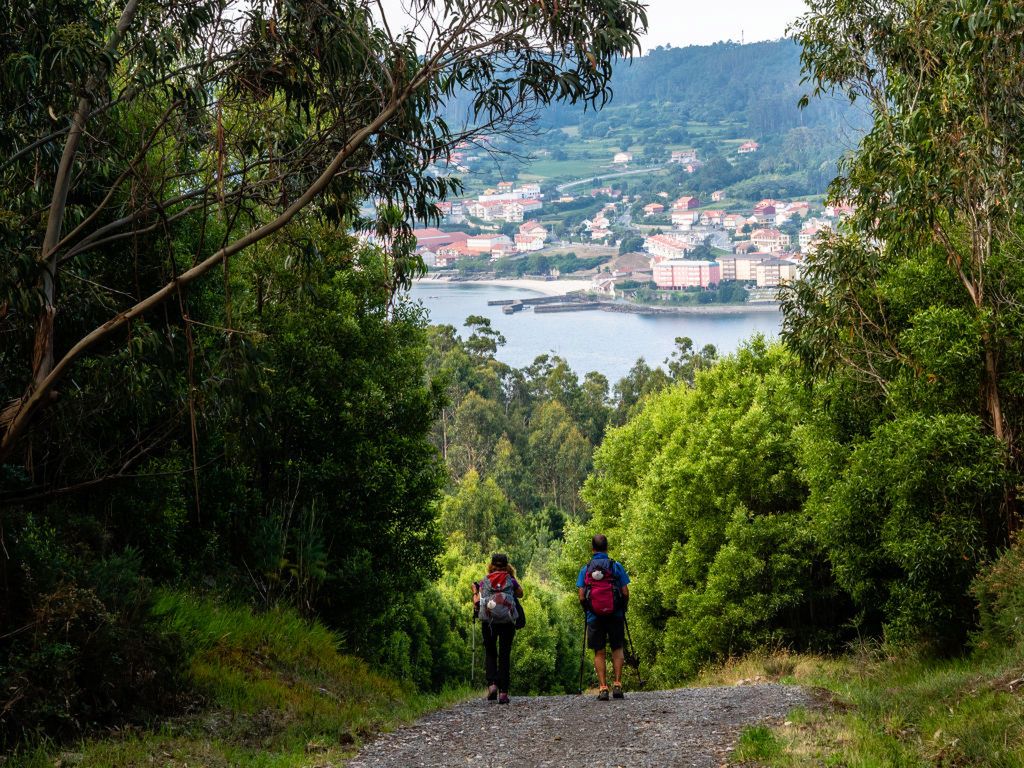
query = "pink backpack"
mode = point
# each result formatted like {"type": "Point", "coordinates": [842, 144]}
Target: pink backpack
{"type": "Point", "coordinates": [601, 592]}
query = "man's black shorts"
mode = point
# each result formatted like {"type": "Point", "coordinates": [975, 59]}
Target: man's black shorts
{"type": "Point", "coordinates": [606, 630]}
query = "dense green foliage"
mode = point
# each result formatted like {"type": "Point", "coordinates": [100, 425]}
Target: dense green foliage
{"type": "Point", "coordinates": [702, 492]}
{"type": "Point", "coordinates": [290, 434]}
{"type": "Point", "coordinates": [518, 444]}
{"type": "Point", "coordinates": [910, 320]}
{"type": "Point", "coordinates": [707, 98]}
{"type": "Point", "coordinates": [532, 264]}
{"type": "Point", "coordinates": [264, 689]}
{"type": "Point", "coordinates": [207, 379]}
{"type": "Point", "coordinates": [753, 86]}
{"type": "Point", "coordinates": [731, 292]}
{"type": "Point", "coordinates": [294, 473]}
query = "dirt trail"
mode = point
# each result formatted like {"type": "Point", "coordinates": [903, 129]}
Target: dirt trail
{"type": "Point", "coordinates": [683, 727]}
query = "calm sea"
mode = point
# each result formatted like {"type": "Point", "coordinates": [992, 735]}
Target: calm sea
{"type": "Point", "coordinates": [609, 342]}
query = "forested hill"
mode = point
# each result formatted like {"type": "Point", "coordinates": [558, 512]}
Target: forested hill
{"type": "Point", "coordinates": [756, 84]}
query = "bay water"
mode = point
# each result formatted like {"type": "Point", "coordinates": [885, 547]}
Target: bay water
{"type": "Point", "coordinates": [607, 342]}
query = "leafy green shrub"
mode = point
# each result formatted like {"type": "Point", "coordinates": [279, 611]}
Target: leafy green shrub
{"type": "Point", "coordinates": [999, 590]}
{"type": "Point", "coordinates": [89, 655]}
{"type": "Point", "coordinates": [898, 515]}
{"type": "Point", "coordinates": [702, 498]}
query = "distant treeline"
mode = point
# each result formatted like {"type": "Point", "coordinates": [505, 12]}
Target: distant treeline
{"type": "Point", "coordinates": [756, 85]}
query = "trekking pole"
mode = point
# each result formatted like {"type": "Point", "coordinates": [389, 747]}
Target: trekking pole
{"type": "Point", "coordinates": [472, 668]}
{"type": "Point", "coordinates": [634, 660]}
{"type": "Point", "coordinates": [583, 655]}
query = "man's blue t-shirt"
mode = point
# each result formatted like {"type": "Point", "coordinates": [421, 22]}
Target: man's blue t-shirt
{"type": "Point", "coordinates": [620, 576]}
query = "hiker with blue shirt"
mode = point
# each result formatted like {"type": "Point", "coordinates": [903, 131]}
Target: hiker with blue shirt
{"type": "Point", "coordinates": [603, 587]}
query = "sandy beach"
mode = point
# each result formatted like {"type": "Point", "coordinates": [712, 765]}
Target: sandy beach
{"type": "Point", "coordinates": [544, 287]}
{"type": "Point", "coordinates": [563, 287]}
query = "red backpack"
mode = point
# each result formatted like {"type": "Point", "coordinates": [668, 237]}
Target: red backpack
{"type": "Point", "coordinates": [498, 599]}
{"type": "Point", "coordinates": [602, 594]}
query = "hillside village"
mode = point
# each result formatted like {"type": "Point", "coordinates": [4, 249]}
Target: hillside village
{"type": "Point", "coordinates": [689, 244]}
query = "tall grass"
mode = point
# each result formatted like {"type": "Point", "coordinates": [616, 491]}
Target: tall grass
{"type": "Point", "coordinates": [268, 690]}
{"type": "Point", "coordinates": [891, 711]}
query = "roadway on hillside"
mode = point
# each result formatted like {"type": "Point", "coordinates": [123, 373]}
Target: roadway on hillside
{"type": "Point", "coordinates": [606, 176]}
{"type": "Point", "coordinates": [660, 729]}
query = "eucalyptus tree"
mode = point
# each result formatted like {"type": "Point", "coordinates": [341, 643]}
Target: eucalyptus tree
{"type": "Point", "coordinates": [127, 127]}
{"type": "Point", "coordinates": [936, 180]}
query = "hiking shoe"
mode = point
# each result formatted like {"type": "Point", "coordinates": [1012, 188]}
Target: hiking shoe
{"type": "Point", "coordinates": [503, 699]}
{"type": "Point", "coordinates": [617, 692]}
{"type": "Point", "coordinates": [603, 695]}
{"type": "Point", "coordinates": [492, 693]}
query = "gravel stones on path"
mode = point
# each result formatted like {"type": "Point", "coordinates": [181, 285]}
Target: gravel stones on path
{"type": "Point", "coordinates": [683, 727]}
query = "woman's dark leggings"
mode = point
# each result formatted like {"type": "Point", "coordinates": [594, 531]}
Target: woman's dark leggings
{"type": "Point", "coordinates": [498, 653]}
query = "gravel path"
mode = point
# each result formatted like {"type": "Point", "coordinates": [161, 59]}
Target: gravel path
{"type": "Point", "coordinates": [684, 727]}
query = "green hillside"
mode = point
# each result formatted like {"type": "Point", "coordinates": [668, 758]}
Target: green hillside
{"type": "Point", "coordinates": [708, 98]}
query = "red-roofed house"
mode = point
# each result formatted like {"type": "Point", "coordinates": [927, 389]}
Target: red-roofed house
{"type": "Point", "coordinates": [770, 240]}
{"type": "Point", "coordinates": [449, 254]}
{"type": "Point", "coordinates": [531, 236]}
{"type": "Point", "coordinates": [764, 214]}
{"type": "Point", "coordinates": [685, 219]}
{"type": "Point", "coordinates": [733, 220]}
{"type": "Point", "coordinates": [810, 234]}
{"type": "Point", "coordinates": [666, 247]}
{"type": "Point", "coordinates": [799, 208]}
{"type": "Point", "coordinates": [526, 243]}
{"type": "Point", "coordinates": [653, 208]}
{"type": "Point", "coordinates": [712, 218]}
{"type": "Point", "coordinates": [686, 203]}
{"type": "Point", "coordinates": [747, 147]}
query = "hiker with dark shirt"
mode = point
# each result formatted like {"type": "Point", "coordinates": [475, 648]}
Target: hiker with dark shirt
{"type": "Point", "coordinates": [603, 587]}
{"type": "Point", "coordinates": [495, 602]}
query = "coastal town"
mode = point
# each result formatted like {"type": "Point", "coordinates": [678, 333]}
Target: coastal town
{"type": "Point", "coordinates": [657, 240]}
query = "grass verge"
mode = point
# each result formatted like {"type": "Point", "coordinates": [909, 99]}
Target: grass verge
{"type": "Point", "coordinates": [271, 691]}
{"type": "Point", "coordinates": [893, 712]}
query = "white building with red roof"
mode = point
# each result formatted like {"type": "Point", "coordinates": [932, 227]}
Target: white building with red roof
{"type": "Point", "coordinates": [770, 239]}
{"type": "Point", "coordinates": [764, 213]}
{"type": "Point", "coordinates": [734, 220]}
{"type": "Point", "coordinates": [811, 233]}
{"type": "Point", "coordinates": [666, 247]}
{"type": "Point", "coordinates": [685, 219]}
{"type": "Point", "coordinates": [712, 218]}
{"type": "Point", "coordinates": [531, 236]}
{"type": "Point", "coordinates": [686, 203]}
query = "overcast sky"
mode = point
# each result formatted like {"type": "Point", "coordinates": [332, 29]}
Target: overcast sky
{"type": "Point", "coordinates": [687, 22]}
{"type": "Point", "coordinates": [699, 22]}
